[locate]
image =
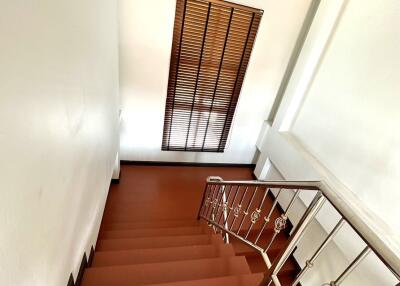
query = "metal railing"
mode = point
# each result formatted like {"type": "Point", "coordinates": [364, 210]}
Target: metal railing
{"type": "Point", "coordinates": [239, 209]}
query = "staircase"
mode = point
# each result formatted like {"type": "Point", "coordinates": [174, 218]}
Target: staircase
{"type": "Point", "coordinates": [171, 253]}
{"type": "Point", "coordinates": [150, 235]}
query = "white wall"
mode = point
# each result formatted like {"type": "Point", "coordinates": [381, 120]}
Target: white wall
{"type": "Point", "coordinates": [338, 120]}
{"type": "Point", "coordinates": [58, 134]}
{"type": "Point", "coordinates": [145, 46]}
{"type": "Point", "coordinates": [353, 106]}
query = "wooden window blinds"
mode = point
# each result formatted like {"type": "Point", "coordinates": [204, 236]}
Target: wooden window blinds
{"type": "Point", "coordinates": [211, 47]}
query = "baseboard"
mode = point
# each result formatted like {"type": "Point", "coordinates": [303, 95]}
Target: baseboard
{"type": "Point", "coordinates": [71, 280]}
{"type": "Point", "coordinates": [91, 255]}
{"type": "Point", "coordinates": [85, 263]}
{"type": "Point", "coordinates": [189, 164]}
{"type": "Point", "coordinates": [82, 268]}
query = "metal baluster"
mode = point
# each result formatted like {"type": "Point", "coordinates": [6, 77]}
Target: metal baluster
{"type": "Point", "coordinates": [225, 205]}
{"type": "Point", "coordinates": [217, 199]}
{"type": "Point", "coordinates": [220, 203]}
{"type": "Point", "coordinates": [210, 203]}
{"type": "Point", "coordinates": [231, 207]}
{"type": "Point", "coordinates": [310, 262]}
{"type": "Point", "coordinates": [280, 222]}
{"type": "Point", "coordinates": [224, 214]}
{"type": "Point", "coordinates": [268, 217]}
{"type": "Point", "coordinates": [255, 215]}
{"type": "Point", "coordinates": [236, 211]}
{"type": "Point", "coordinates": [215, 214]}
{"type": "Point", "coordinates": [351, 267]}
{"type": "Point", "coordinates": [207, 199]}
{"type": "Point", "coordinates": [203, 201]}
{"type": "Point", "coordinates": [213, 206]}
{"type": "Point", "coordinates": [246, 212]}
{"type": "Point", "coordinates": [294, 239]}
{"type": "Point", "coordinates": [215, 202]}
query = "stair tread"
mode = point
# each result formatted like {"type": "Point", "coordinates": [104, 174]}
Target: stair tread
{"type": "Point", "coordinates": [237, 280]}
{"type": "Point", "coordinates": [257, 264]}
{"type": "Point", "coordinates": [286, 280]}
{"type": "Point", "coordinates": [148, 224]}
{"type": "Point", "coordinates": [157, 242]}
{"type": "Point", "coordinates": [153, 273]}
{"type": "Point", "coordinates": [186, 212]}
{"type": "Point", "coordinates": [167, 231]}
{"type": "Point", "coordinates": [141, 256]}
{"type": "Point", "coordinates": [242, 249]}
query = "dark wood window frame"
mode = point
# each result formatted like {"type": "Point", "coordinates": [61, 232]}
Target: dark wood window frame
{"type": "Point", "coordinates": [211, 48]}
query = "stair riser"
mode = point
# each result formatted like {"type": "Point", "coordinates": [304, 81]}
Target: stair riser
{"type": "Point", "coordinates": [163, 242]}
{"type": "Point", "coordinates": [148, 224]}
{"type": "Point", "coordinates": [165, 272]}
{"type": "Point", "coordinates": [248, 280]}
{"type": "Point", "coordinates": [151, 232]}
{"type": "Point", "coordinates": [142, 256]}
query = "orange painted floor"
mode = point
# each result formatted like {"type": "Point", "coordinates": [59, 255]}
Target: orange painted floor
{"type": "Point", "coordinates": [163, 192]}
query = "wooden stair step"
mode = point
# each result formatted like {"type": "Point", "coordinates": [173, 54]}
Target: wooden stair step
{"type": "Point", "coordinates": [130, 203]}
{"type": "Point", "coordinates": [141, 256]}
{"type": "Point", "coordinates": [286, 280]}
{"type": "Point", "coordinates": [153, 273]}
{"type": "Point", "coordinates": [148, 224]}
{"type": "Point", "coordinates": [238, 280]}
{"type": "Point", "coordinates": [135, 216]}
{"type": "Point", "coordinates": [157, 242]}
{"type": "Point", "coordinates": [243, 249]}
{"type": "Point", "coordinates": [132, 233]}
{"type": "Point", "coordinates": [257, 264]}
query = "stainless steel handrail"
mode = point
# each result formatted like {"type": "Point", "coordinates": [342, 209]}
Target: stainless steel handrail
{"type": "Point", "coordinates": [305, 185]}
{"type": "Point", "coordinates": [365, 231]}
{"type": "Point", "coordinates": [372, 239]}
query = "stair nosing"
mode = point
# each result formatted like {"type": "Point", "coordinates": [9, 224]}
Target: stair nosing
{"type": "Point", "coordinates": [235, 257]}
{"type": "Point", "coordinates": [217, 248]}
{"type": "Point", "coordinates": [212, 239]}
{"type": "Point", "coordinates": [166, 236]}
{"type": "Point", "coordinates": [212, 278]}
{"type": "Point", "coordinates": [183, 246]}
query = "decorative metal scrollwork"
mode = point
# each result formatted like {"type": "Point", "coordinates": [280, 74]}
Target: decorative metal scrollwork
{"type": "Point", "coordinates": [255, 216]}
{"type": "Point", "coordinates": [215, 203]}
{"type": "Point", "coordinates": [225, 206]}
{"type": "Point", "coordinates": [236, 210]}
{"type": "Point", "coordinates": [212, 217]}
{"type": "Point", "coordinates": [280, 223]}
{"type": "Point", "coordinates": [207, 202]}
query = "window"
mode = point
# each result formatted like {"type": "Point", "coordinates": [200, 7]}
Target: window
{"type": "Point", "coordinates": [211, 48]}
